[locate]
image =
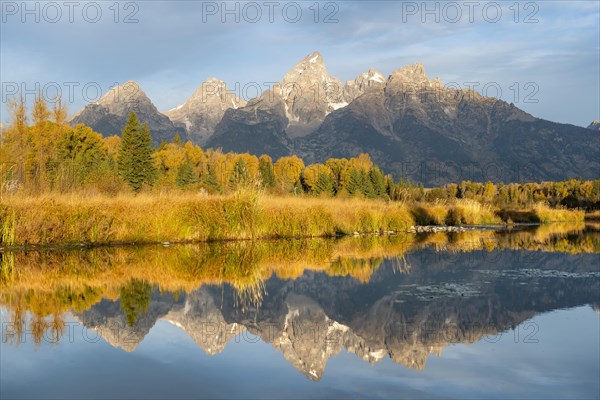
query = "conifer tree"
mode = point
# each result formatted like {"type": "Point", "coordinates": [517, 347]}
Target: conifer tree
{"type": "Point", "coordinates": [378, 182]}
{"type": "Point", "coordinates": [135, 155]}
{"type": "Point", "coordinates": [265, 169]}
{"type": "Point", "coordinates": [209, 179]}
{"type": "Point", "coordinates": [185, 174]}
{"type": "Point", "coordinates": [240, 174]}
{"type": "Point", "coordinates": [324, 184]}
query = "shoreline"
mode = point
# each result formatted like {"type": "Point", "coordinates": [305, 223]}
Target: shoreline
{"type": "Point", "coordinates": [413, 230]}
{"type": "Point", "coordinates": [77, 222]}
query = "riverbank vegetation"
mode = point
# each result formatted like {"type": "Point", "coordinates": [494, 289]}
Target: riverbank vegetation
{"type": "Point", "coordinates": [75, 220]}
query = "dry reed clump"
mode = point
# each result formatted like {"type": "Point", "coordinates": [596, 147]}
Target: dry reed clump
{"type": "Point", "coordinates": [430, 214]}
{"type": "Point", "coordinates": [544, 214]}
{"type": "Point", "coordinates": [470, 212]}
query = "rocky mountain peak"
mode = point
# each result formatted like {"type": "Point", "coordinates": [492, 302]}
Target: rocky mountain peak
{"type": "Point", "coordinates": [109, 114]}
{"type": "Point", "coordinates": [411, 74]}
{"type": "Point", "coordinates": [363, 82]}
{"type": "Point", "coordinates": [312, 63]}
{"type": "Point", "coordinates": [121, 98]}
{"type": "Point", "coordinates": [200, 114]}
{"type": "Point", "coordinates": [309, 94]}
{"type": "Point", "coordinates": [595, 125]}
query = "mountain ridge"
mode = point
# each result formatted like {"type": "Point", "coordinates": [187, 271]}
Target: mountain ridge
{"type": "Point", "coordinates": [407, 122]}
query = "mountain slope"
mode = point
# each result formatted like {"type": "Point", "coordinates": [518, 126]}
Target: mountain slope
{"type": "Point", "coordinates": [109, 114]}
{"type": "Point", "coordinates": [295, 107]}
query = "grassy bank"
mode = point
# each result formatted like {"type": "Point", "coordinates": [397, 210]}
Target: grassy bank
{"type": "Point", "coordinates": [542, 214]}
{"type": "Point", "coordinates": [72, 220]}
{"type": "Point", "coordinates": [244, 215]}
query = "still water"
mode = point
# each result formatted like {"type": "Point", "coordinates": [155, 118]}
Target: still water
{"type": "Point", "coordinates": [471, 315]}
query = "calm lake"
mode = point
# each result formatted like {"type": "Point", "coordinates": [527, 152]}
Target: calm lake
{"type": "Point", "coordinates": [478, 314]}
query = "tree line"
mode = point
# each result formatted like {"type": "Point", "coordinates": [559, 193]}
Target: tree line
{"type": "Point", "coordinates": [40, 152]}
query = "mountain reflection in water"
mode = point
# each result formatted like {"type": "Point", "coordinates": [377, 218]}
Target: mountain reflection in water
{"type": "Point", "coordinates": [402, 297]}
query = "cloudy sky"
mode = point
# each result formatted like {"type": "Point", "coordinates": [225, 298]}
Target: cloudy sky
{"type": "Point", "coordinates": [543, 56]}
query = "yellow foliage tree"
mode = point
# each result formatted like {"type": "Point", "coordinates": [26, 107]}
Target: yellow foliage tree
{"type": "Point", "coordinates": [288, 171]}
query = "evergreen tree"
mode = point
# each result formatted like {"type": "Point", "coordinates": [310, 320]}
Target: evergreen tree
{"type": "Point", "coordinates": [378, 182]}
{"type": "Point", "coordinates": [135, 155]}
{"type": "Point", "coordinates": [210, 180]}
{"type": "Point", "coordinates": [324, 184]}
{"type": "Point", "coordinates": [265, 169]}
{"type": "Point", "coordinates": [240, 174]}
{"type": "Point", "coordinates": [185, 174]}
{"type": "Point", "coordinates": [354, 182]}
{"type": "Point", "coordinates": [366, 185]}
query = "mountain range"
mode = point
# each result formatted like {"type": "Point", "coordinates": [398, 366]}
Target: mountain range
{"type": "Point", "coordinates": [412, 126]}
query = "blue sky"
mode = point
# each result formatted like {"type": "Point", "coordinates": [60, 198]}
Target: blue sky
{"type": "Point", "coordinates": [546, 59]}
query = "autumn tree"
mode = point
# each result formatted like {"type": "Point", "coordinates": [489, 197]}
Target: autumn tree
{"type": "Point", "coordinates": [59, 112]}
{"type": "Point", "coordinates": [311, 175]}
{"type": "Point", "coordinates": [15, 136]}
{"type": "Point", "coordinates": [81, 152]}
{"type": "Point", "coordinates": [288, 171]}
{"type": "Point", "coordinates": [40, 112]}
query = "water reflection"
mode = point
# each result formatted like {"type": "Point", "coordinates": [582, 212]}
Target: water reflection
{"type": "Point", "coordinates": [402, 297]}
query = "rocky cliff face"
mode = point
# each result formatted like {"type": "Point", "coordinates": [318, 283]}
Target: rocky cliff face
{"type": "Point", "coordinates": [295, 107]}
{"type": "Point", "coordinates": [309, 94]}
{"type": "Point", "coordinates": [595, 126]}
{"type": "Point", "coordinates": [257, 128]}
{"type": "Point", "coordinates": [109, 114]}
{"type": "Point", "coordinates": [200, 114]}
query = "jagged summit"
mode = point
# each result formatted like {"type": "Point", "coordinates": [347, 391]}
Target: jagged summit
{"type": "Point", "coordinates": [200, 114]}
{"type": "Point", "coordinates": [312, 63]}
{"type": "Point", "coordinates": [309, 93]}
{"type": "Point", "coordinates": [362, 83]}
{"type": "Point", "coordinates": [413, 75]}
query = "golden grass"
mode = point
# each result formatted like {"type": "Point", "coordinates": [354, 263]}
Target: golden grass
{"type": "Point", "coordinates": [70, 219]}
{"type": "Point", "coordinates": [153, 218]}
{"type": "Point", "coordinates": [457, 212]}
{"type": "Point", "coordinates": [544, 214]}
